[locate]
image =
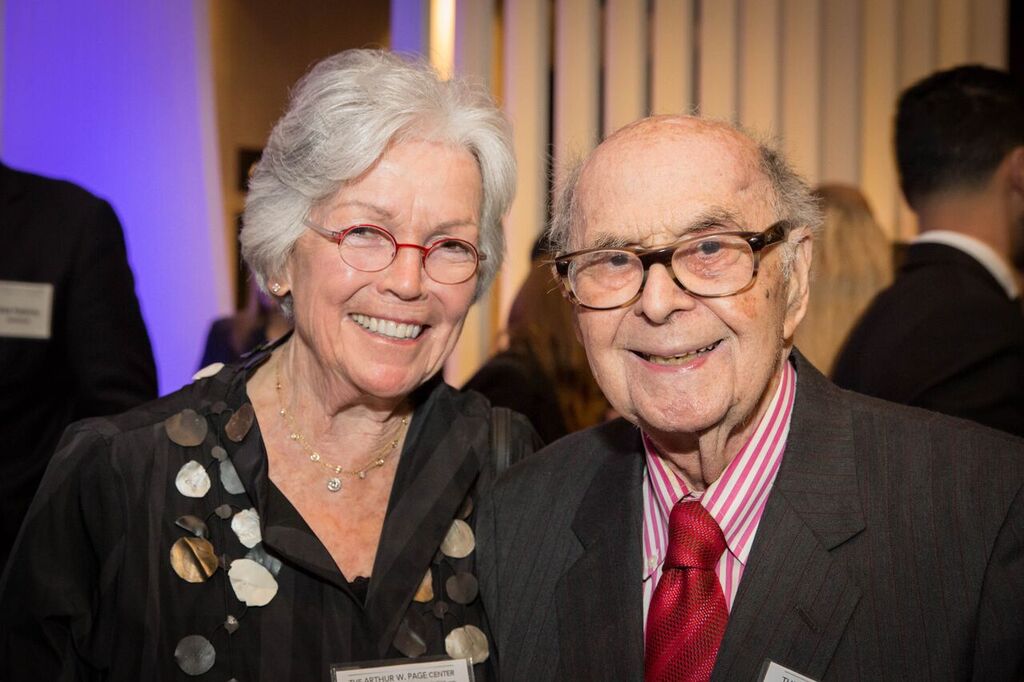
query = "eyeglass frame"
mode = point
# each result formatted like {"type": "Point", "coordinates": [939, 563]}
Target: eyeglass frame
{"type": "Point", "coordinates": [337, 236]}
{"type": "Point", "coordinates": [662, 255]}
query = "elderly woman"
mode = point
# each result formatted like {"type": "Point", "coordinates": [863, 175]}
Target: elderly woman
{"type": "Point", "coordinates": [313, 506]}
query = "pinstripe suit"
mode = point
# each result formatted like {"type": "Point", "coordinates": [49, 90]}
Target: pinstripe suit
{"type": "Point", "coordinates": [891, 547]}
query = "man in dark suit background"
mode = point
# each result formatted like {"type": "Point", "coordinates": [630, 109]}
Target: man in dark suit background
{"type": "Point", "coordinates": [948, 334]}
{"type": "Point", "coordinates": [72, 340]}
{"type": "Point", "coordinates": [746, 517]}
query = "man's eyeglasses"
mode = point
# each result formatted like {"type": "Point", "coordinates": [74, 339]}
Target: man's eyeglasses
{"type": "Point", "coordinates": [706, 265]}
{"type": "Point", "coordinates": [372, 248]}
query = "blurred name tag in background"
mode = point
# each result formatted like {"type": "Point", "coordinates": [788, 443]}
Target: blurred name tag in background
{"type": "Point", "coordinates": [26, 309]}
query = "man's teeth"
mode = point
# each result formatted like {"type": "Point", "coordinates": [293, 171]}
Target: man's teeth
{"type": "Point", "coordinates": [680, 359]}
{"type": "Point", "coordinates": [397, 330]}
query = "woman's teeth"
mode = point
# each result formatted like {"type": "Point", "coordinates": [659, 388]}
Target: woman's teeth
{"type": "Point", "coordinates": [396, 330]}
{"type": "Point", "coordinates": [679, 359]}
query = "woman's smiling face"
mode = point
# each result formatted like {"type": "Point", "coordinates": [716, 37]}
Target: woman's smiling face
{"type": "Point", "coordinates": [384, 333]}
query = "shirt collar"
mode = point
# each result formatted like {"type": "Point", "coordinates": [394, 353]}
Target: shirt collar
{"type": "Point", "coordinates": [748, 477]}
{"type": "Point", "coordinates": [979, 251]}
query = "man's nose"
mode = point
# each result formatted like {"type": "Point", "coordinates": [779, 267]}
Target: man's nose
{"type": "Point", "coordinates": [662, 295]}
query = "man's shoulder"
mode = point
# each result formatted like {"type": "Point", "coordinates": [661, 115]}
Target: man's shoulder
{"type": "Point", "coordinates": [939, 279]}
{"type": "Point", "coordinates": [48, 192]}
{"type": "Point", "coordinates": [929, 325]}
{"type": "Point", "coordinates": [572, 461]}
{"type": "Point", "coordinates": [886, 428]}
{"type": "Point", "coordinates": [586, 449]}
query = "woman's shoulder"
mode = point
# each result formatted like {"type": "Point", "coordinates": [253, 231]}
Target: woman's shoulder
{"type": "Point", "coordinates": [201, 396]}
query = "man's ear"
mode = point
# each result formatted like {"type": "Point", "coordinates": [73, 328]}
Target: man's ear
{"type": "Point", "coordinates": [1015, 163]}
{"type": "Point", "coordinates": [798, 290]}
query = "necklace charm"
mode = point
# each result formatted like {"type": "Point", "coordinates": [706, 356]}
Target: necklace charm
{"type": "Point", "coordinates": [334, 482]}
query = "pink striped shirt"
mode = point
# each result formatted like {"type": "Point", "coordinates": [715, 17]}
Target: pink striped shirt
{"type": "Point", "coordinates": [736, 500]}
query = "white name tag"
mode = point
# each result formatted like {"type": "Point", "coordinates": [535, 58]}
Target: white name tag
{"type": "Point", "coordinates": [773, 672]}
{"type": "Point", "coordinates": [26, 309]}
{"type": "Point", "coordinates": [446, 670]}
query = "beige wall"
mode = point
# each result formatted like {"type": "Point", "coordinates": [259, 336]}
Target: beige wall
{"type": "Point", "coordinates": [259, 48]}
{"type": "Point", "coordinates": [822, 75]}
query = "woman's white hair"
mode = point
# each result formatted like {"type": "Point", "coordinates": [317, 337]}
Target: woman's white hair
{"type": "Point", "coordinates": [342, 116]}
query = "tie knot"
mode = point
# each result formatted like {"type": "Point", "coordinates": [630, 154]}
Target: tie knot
{"type": "Point", "coordinates": [694, 538]}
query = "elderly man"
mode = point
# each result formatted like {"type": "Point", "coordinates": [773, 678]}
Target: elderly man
{"type": "Point", "coordinates": [746, 519]}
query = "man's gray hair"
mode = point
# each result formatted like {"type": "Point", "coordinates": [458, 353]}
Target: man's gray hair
{"type": "Point", "coordinates": [791, 199]}
{"type": "Point", "coordinates": [342, 116]}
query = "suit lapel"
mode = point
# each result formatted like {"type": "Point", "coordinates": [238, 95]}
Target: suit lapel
{"type": "Point", "coordinates": [427, 498]}
{"type": "Point", "coordinates": [599, 604]}
{"type": "Point", "coordinates": [795, 598]}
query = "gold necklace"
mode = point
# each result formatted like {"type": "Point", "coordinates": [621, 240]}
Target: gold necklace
{"type": "Point", "coordinates": [334, 482]}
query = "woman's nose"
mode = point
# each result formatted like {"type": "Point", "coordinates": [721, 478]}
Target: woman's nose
{"type": "Point", "coordinates": [405, 274]}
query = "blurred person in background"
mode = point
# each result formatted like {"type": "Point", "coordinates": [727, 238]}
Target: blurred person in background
{"type": "Point", "coordinates": [852, 263]}
{"type": "Point", "coordinates": [261, 320]}
{"type": "Point", "coordinates": [543, 373]}
{"type": "Point", "coordinates": [948, 335]}
{"type": "Point", "coordinates": [311, 506]}
{"type": "Point", "coordinates": [72, 340]}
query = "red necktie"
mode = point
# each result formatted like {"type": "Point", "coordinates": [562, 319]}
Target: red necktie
{"type": "Point", "coordinates": [687, 616]}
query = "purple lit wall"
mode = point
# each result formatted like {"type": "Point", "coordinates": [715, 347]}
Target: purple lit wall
{"type": "Point", "coordinates": [115, 95]}
{"type": "Point", "coordinates": [410, 21]}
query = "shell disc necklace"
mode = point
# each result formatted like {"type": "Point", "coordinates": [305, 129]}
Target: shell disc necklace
{"type": "Point", "coordinates": [336, 471]}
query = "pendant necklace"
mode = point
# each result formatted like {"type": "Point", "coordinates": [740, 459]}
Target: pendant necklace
{"type": "Point", "coordinates": [334, 482]}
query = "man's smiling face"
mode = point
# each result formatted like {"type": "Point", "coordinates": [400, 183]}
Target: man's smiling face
{"type": "Point", "coordinates": [675, 364]}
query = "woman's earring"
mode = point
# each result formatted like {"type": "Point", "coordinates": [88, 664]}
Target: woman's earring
{"type": "Point", "coordinates": [276, 287]}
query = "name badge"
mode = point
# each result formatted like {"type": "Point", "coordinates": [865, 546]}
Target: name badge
{"type": "Point", "coordinates": [26, 309]}
{"type": "Point", "coordinates": [435, 670]}
{"type": "Point", "coordinates": [773, 672]}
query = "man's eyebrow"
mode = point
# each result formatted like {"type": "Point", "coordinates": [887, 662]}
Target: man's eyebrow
{"type": "Point", "coordinates": [608, 240]}
{"type": "Point", "coordinates": [712, 218]}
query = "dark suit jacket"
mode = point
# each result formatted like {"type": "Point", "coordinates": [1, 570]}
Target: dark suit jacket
{"type": "Point", "coordinates": [97, 360]}
{"type": "Point", "coordinates": [944, 337]}
{"type": "Point", "coordinates": [891, 548]}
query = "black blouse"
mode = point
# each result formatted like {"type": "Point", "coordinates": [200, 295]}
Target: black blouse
{"type": "Point", "coordinates": [90, 592]}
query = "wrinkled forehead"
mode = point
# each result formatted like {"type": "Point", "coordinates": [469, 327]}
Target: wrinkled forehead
{"type": "Point", "coordinates": [660, 178]}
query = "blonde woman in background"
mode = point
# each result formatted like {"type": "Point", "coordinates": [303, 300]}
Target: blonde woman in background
{"type": "Point", "coordinates": [852, 263]}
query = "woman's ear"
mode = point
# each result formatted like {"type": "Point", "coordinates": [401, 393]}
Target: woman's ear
{"type": "Point", "coordinates": [278, 288]}
{"type": "Point", "coordinates": [279, 284]}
